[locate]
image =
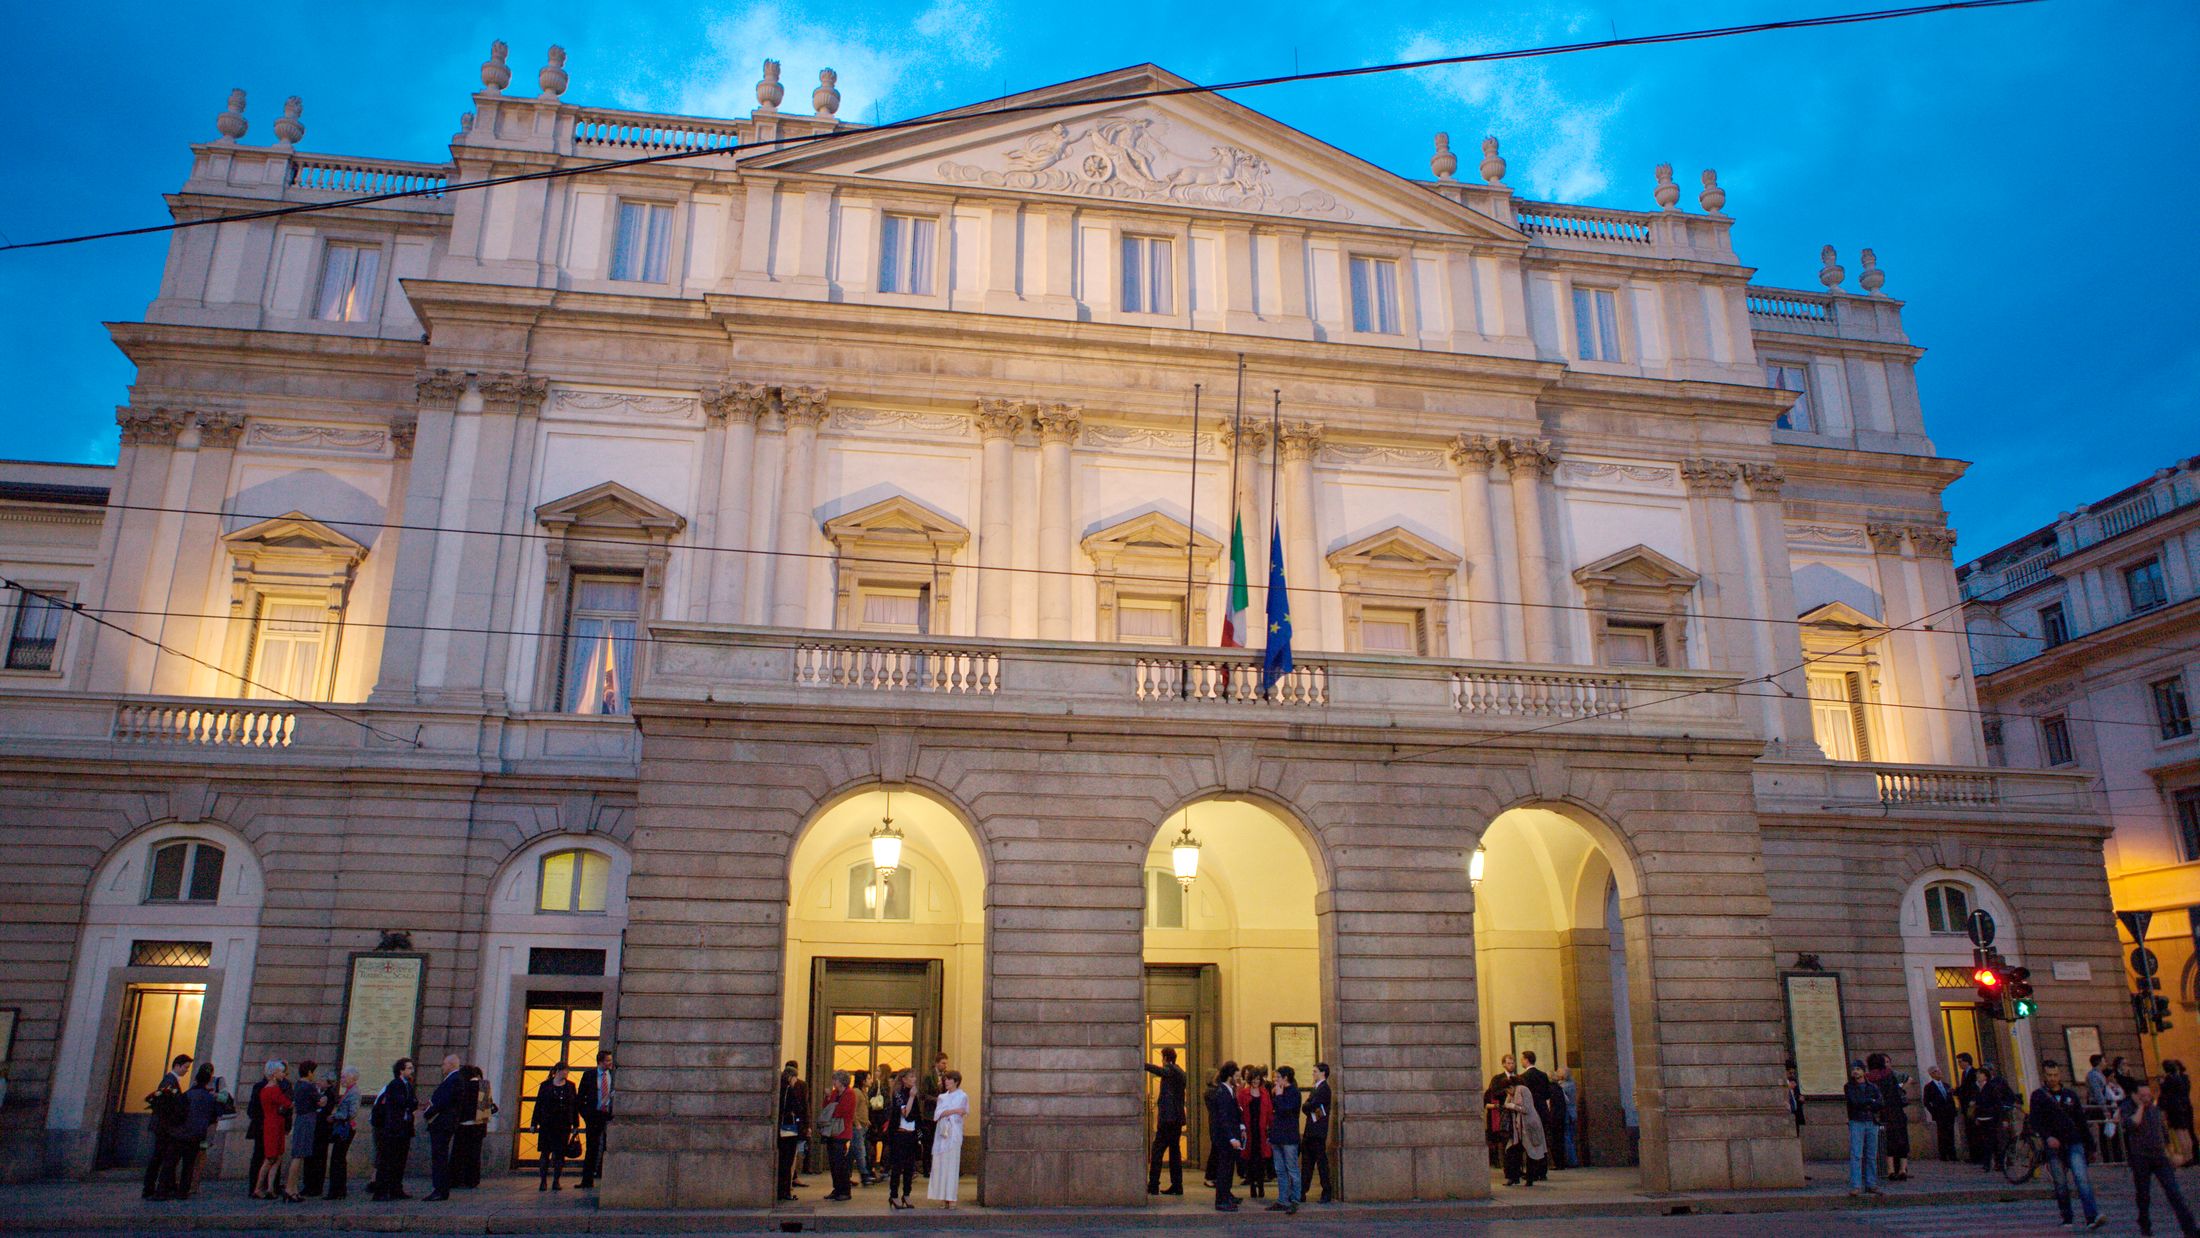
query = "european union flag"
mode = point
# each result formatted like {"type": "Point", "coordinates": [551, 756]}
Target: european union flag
{"type": "Point", "coordinates": [1275, 657]}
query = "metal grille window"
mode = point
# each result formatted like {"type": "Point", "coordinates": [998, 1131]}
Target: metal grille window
{"type": "Point", "coordinates": [36, 633]}
{"type": "Point", "coordinates": [2055, 740]}
{"type": "Point", "coordinates": [171, 953]}
{"type": "Point", "coordinates": [564, 961]}
{"type": "Point", "coordinates": [2172, 710]}
{"type": "Point", "coordinates": [188, 871]}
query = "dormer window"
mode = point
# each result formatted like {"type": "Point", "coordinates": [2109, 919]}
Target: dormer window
{"type": "Point", "coordinates": [1147, 275]}
{"type": "Point", "coordinates": [905, 254]}
{"type": "Point", "coordinates": [1375, 295]}
{"type": "Point", "coordinates": [185, 871]}
{"type": "Point", "coordinates": [642, 250]}
{"type": "Point", "coordinates": [1596, 323]}
{"type": "Point", "coordinates": [1791, 376]}
{"type": "Point", "coordinates": [347, 282]}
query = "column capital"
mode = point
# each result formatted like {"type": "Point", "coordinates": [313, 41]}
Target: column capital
{"type": "Point", "coordinates": [1058, 423]}
{"type": "Point", "coordinates": [999, 418]}
{"type": "Point", "coordinates": [151, 426]}
{"type": "Point", "coordinates": [404, 429]}
{"type": "Point", "coordinates": [1886, 538]}
{"type": "Point", "coordinates": [1473, 451]}
{"type": "Point", "coordinates": [803, 406]}
{"type": "Point", "coordinates": [1248, 436]}
{"type": "Point", "coordinates": [220, 429]}
{"type": "Point", "coordinates": [519, 394]}
{"type": "Point", "coordinates": [1301, 440]}
{"type": "Point", "coordinates": [439, 389]}
{"type": "Point", "coordinates": [1711, 477]}
{"type": "Point", "coordinates": [1534, 457]}
{"type": "Point", "coordinates": [1933, 540]}
{"type": "Point", "coordinates": [1765, 480]}
{"type": "Point", "coordinates": [747, 401]}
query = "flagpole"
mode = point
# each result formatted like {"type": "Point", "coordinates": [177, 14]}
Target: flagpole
{"type": "Point", "coordinates": [1231, 620]}
{"type": "Point", "coordinates": [1191, 536]}
{"type": "Point", "coordinates": [1275, 456]}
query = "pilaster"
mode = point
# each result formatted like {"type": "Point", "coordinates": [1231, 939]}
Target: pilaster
{"type": "Point", "coordinates": [999, 421]}
{"type": "Point", "coordinates": [1473, 455]}
{"type": "Point", "coordinates": [733, 410]}
{"type": "Point", "coordinates": [1058, 426]}
{"type": "Point", "coordinates": [801, 411]}
{"type": "Point", "coordinates": [428, 442]}
{"type": "Point", "coordinates": [1300, 443]}
{"type": "Point", "coordinates": [1530, 462]}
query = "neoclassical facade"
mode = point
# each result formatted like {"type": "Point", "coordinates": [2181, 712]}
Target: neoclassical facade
{"type": "Point", "coordinates": [542, 594]}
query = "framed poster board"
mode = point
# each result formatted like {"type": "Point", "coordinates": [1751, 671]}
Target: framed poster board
{"type": "Point", "coordinates": [382, 998]}
{"type": "Point", "coordinates": [1540, 1039]}
{"type": "Point", "coordinates": [2083, 1040]}
{"type": "Point", "coordinates": [1298, 1046]}
{"type": "Point", "coordinates": [1816, 1038]}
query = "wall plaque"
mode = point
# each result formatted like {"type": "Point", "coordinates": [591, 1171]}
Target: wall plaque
{"type": "Point", "coordinates": [382, 1010]}
{"type": "Point", "coordinates": [1298, 1046]}
{"type": "Point", "coordinates": [2083, 1040]}
{"type": "Point", "coordinates": [1540, 1039]}
{"type": "Point", "coordinates": [1816, 1039]}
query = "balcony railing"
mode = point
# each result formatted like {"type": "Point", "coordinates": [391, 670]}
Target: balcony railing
{"type": "Point", "coordinates": [1584, 223]}
{"type": "Point", "coordinates": [1900, 786]}
{"type": "Point", "coordinates": [642, 133]}
{"type": "Point", "coordinates": [2124, 517]}
{"type": "Point", "coordinates": [369, 176]}
{"type": "Point", "coordinates": [1812, 787]}
{"type": "Point", "coordinates": [1782, 304]}
{"type": "Point", "coordinates": [895, 668]}
{"type": "Point", "coordinates": [1520, 694]}
{"type": "Point", "coordinates": [1228, 679]}
{"type": "Point", "coordinates": [210, 726]}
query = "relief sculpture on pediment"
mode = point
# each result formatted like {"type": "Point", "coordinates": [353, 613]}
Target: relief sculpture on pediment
{"type": "Point", "coordinates": [1125, 157]}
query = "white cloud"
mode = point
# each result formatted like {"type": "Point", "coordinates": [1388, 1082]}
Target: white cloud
{"type": "Point", "coordinates": [1553, 142]}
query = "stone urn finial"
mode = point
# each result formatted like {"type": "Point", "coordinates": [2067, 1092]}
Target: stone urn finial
{"type": "Point", "coordinates": [1443, 163]}
{"type": "Point", "coordinates": [289, 130]}
{"type": "Point", "coordinates": [1713, 198]}
{"type": "Point", "coordinates": [825, 100]}
{"type": "Point", "coordinates": [465, 124]}
{"type": "Point", "coordinates": [1831, 274]}
{"type": "Point", "coordinates": [231, 122]}
{"type": "Point", "coordinates": [1667, 193]}
{"type": "Point", "coordinates": [553, 78]}
{"type": "Point", "coordinates": [768, 90]}
{"type": "Point", "coordinates": [495, 74]}
{"type": "Point", "coordinates": [1871, 278]}
{"type": "Point", "coordinates": [1493, 164]}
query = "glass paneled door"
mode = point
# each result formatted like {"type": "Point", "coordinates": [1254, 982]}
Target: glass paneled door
{"type": "Point", "coordinates": [866, 1038]}
{"type": "Point", "coordinates": [561, 1027]}
{"type": "Point", "coordinates": [159, 1021]}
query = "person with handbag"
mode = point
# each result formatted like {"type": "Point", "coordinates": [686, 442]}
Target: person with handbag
{"type": "Point", "coordinates": [343, 1127]}
{"type": "Point", "coordinates": [902, 1122]}
{"type": "Point", "coordinates": [305, 1102]}
{"type": "Point", "coordinates": [838, 1123]}
{"type": "Point", "coordinates": [557, 1105]}
{"type": "Point", "coordinates": [859, 1134]}
{"type": "Point", "coordinates": [794, 1122]}
{"type": "Point", "coordinates": [473, 1131]}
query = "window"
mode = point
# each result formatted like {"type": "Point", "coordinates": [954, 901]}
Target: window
{"type": "Point", "coordinates": [598, 667]}
{"type": "Point", "coordinates": [35, 636]}
{"type": "Point", "coordinates": [1147, 274]}
{"type": "Point", "coordinates": [2172, 710]}
{"type": "Point", "coordinates": [1947, 906]}
{"type": "Point", "coordinates": [1634, 644]}
{"type": "Point", "coordinates": [188, 871]}
{"type": "Point", "coordinates": [1375, 295]}
{"type": "Point", "coordinates": [1149, 621]}
{"type": "Point", "coordinates": [347, 282]}
{"type": "Point", "coordinates": [575, 881]}
{"type": "Point", "coordinates": [2055, 740]}
{"type": "Point", "coordinates": [2054, 625]}
{"type": "Point", "coordinates": [1164, 899]}
{"type": "Point", "coordinates": [2188, 823]}
{"type": "Point", "coordinates": [1838, 716]}
{"type": "Point", "coordinates": [892, 610]}
{"type": "Point", "coordinates": [1393, 630]}
{"type": "Point", "coordinates": [905, 254]}
{"type": "Point", "coordinates": [2144, 585]}
{"type": "Point", "coordinates": [1795, 378]}
{"type": "Point", "coordinates": [288, 640]}
{"type": "Point", "coordinates": [643, 246]}
{"type": "Point", "coordinates": [1596, 323]}
{"type": "Point", "coordinates": [863, 893]}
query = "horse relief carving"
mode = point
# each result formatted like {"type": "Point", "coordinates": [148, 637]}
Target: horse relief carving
{"type": "Point", "coordinates": [1124, 157]}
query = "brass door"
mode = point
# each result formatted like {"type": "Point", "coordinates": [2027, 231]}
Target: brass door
{"type": "Point", "coordinates": [561, 1027]}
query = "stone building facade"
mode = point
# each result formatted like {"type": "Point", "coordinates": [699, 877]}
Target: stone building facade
{"type": "Point", "coordinates": [566, 579]}
{"type": "Point", "coordinates": [2088, 654]}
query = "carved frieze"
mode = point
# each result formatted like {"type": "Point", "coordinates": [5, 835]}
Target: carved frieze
{"type": "Point", "coordinates": [1379, 455]}
{"type": "Point", "coordinates": [1148, 438]}
{"type": "Point", "coordinates": [1130, 158]}
{"type": "Point", "coordinates": [320, 440]}
{"type": "Point", "coordinates": [1832, 536]}
{"type": "Point", "coordinates": [625, 404]}
{"type": "Point", "coordinates": [1618, 475]}
{"type": "Point", "coordinates": [898, 421]}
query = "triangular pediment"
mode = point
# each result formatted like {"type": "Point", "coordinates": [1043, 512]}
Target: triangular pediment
{"type": "Point", "coordinates": [1149, 531]}
{"type": "Point", "coordinates": [609, 505]}
{"type": "Point", "coordinates": [1840, 615]}
{"type": "Point", "coordinates": [1398, 548]}
{"type": "Point", "coordinates": [298, 532]}
{"type": "Point", "coordinates": [1637, 567]}
{"type": "Point", "coordinates": [898, 518]}
{"type": "Point", "coordinates": [1082, 139]}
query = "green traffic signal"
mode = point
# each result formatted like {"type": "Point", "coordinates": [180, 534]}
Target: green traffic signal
{"type": "Point", "coordinates": [2022, 1008]}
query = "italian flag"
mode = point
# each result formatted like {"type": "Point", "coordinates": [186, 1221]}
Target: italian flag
{"type": "Point", "coordinates": [1241, 596]}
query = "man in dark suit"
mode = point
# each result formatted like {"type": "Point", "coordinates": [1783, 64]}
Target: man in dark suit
{"type": "Point", "coordinates": [446, 1108]}
{"type": "Point", "coordinates": [392, 1116]}
{"type": "Point", "coordinates": [1168, 1124]}
{"type": "Point", "coordinates": [1539, 1086]}
{"type": "Point", "coordinates": [1314, 1145]}
{"type": "Point", "coordinates": [1226, 1127]}
{"type": "Point", "coordinates": [160, 1171]}
{"type": "Point", "coordinates": [928, 1097]}
{"type": "Point", "coordinates": [596, 1102]}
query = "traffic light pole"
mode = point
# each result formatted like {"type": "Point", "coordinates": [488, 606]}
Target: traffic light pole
{"type": "Point", "coordinates": [2149, 965]}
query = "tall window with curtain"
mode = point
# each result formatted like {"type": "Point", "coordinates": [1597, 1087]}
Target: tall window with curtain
{"type": "Point", "coordinates": [289, 640]}
{"type": "Point", "coordinates": [642, 250]}
{"type": "Point", "coordinates": [601, 620]}
{"type": "Point", "coordinates": [1596, 323]}
{"type": "Point", "coordinates": [905, 254]}
{"type": "Point", "coordinates": [1375, 295]}
{"type": "Point", "coordinates": [1148, 275]}
{"type": "Point", "coordinates": [347, 282]}
{"type": "Point", "coordinates": [34, 634]}
{"type": "Point", "coordinates": [1788, 376]}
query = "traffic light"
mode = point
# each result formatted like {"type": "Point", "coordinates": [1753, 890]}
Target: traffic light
{"type": "Point", "coordinates": [1992, 987]}
{"type": "Point", "coordinates": [2019, 986]}
{"type": "Point", "coordinates": [2158, 1013]}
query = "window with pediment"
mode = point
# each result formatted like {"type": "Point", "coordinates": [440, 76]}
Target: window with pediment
{"type": "Point", "coordinates": [1396, 587]}
{"type": "Point", "coordinates": [1638, 608]}
{"type": "Point", "coordinates": [1844, 648]}
{"type": "Point", "coordinates": [1138, 575]}
{"type": "Point", "coordinates": [894, 567]}
{"type": "Point", "coordinates": [288, 581]}
{"type": "Point", "coordinates": [603, 581]}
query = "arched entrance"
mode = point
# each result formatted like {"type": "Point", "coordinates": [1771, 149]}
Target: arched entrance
{"type": "Point", "coordinates": [1233, 958]}
{"type": "Point", "coordinates": [1552, 974]}
{"type": "Point", "coordinates": [1936, 968]}
{"type": "Point", "coordinates": [886, 969]}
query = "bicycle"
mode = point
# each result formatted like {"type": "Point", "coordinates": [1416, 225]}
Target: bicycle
{"type": "Point", "coordinates": [2022, 1153]}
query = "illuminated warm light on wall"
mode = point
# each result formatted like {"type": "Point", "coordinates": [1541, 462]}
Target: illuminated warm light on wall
{"type": "Point", "coordinates": [1184, 853]}
{"type": "Point", "coordinates": [1475, 864]}
{"type": "Point", "coordinates": [886, 843]}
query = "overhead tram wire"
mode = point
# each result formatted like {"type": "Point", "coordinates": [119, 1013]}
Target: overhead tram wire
{"type": "Point", "coordinates": [78, 608]}
{"type": "Point", "coordinates": [980, 113]}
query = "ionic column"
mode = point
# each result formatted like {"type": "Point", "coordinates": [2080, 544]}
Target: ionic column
{"type": "Point", "coordinates": [998, 423]}
{"type": "Point", "coordinates": [733, 409]}
{"type": "Point", "coordinates": [802, 410]}
{"type": "Point", "coordinates": [1906, 652]}
{"type": "Point", "coordinates": [1780, 640]}
{"type": "Point", "coordinates": [1474, 455]}
{"type": "Point", "coordinates": [1729, 643]}
{"type": "Point", "coordinates": [1530, 461]}
{"type": "Point", "coordinates": [1058, 425]}
{"type": "Point", "coordinates": [1303, 565]}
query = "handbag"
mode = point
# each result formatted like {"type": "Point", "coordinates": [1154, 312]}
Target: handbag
{"type": "Point", "coordinates": [835, 1127]}
{"type": "Point", "coordinates": [573, 1146]}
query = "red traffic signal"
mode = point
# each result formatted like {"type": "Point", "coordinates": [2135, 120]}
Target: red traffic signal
{"type": "Point", "coordinates": [1986, 978]}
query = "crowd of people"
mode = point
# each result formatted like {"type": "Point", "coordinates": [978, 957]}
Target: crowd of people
{"type": "Point", "coordinates": [1531, 1117]}
{"type": "Point", "coordinates": [878, 1125]}
{"type": "Point", "coordinates": [1259, 1124]}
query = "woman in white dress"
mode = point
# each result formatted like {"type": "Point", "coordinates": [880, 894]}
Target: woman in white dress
{"type": "Point", "coordinates": [947, 1141]}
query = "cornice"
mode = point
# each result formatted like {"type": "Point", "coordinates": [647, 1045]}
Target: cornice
{"type": "Point", "coordinates": [2099, 645]}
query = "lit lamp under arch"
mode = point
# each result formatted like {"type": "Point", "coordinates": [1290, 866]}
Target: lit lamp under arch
{"type": "Point", "coordinates": [1475, 865]}
{"type": "Point", "coordinates": [1184, 855]}
{"type": "Point", "coordinates": [886, 843]}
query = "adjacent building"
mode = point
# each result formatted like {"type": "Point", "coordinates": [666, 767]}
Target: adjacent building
{"type": "Point", "coordinates": [2086, 637]}
{"type": "Point", "coordinates": [768, 605]}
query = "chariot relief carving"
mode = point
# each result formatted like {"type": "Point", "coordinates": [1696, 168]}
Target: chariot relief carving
{"type": "Point", "coordinates": [1129, 158]}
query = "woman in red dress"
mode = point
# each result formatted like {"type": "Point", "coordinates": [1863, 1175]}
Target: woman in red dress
{"type": "Point", "coordinates": [274, 1102]}
{"type": "Point", "coordinates": [1253, 1102]}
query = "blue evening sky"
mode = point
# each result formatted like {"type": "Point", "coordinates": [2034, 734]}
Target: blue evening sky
{"type": "Point", "coordinates": [2026, 175]}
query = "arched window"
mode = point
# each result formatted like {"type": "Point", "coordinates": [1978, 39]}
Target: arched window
{"type": "Point", "coordinates": [185, 870]}
{"type": "Point", "coordinates": [575, 881]}
{"type": "Point", "coordinates": [1164, 899]}
{"type": "Point", "coordinates": [1947, 906]}
{"type": "Point", "coordinates": [865, 893]}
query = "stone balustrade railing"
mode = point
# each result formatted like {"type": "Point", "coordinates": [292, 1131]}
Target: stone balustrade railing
{"type": "Point", "coordinates": [1901, 786]}
{"type": "Point", "coordinates": [353, 177]}
{"type": "Point", "coordinates": [897, 668]}
{"type": "Point", "coordinates": [1783, 304]}
{"type": "Point", "coordinates": [1521, 694]}
{"type": "Point", "coordinates": [1556, 221]}
{"type": "Point", "coordinates": [642, 133]}
{"type": "Point", "coordinates": [1815, 787]}
{"type": "Point", "coordinates": [206, 725]}
{"type": "Point", "coordinates": [1228, 679]}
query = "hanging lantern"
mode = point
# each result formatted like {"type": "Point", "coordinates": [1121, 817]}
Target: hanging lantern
{"type": "Point", "coordinates": [1184, 853]}
{"type": "Point", "coordinates": [1475, 864]}
{"type": "Point", "coordinates": [886, 843]}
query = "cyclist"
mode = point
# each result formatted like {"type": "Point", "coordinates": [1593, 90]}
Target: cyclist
{"type": "Point", "coordinates": [2058, 1119]}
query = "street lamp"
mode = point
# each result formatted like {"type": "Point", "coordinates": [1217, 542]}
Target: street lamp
{"type": "Point", "coordinates": [1475, 864]}
{"type": "Point", "coordinates": [886, 843]}
{"type": "Point", "coordinates": [1184, 853]}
